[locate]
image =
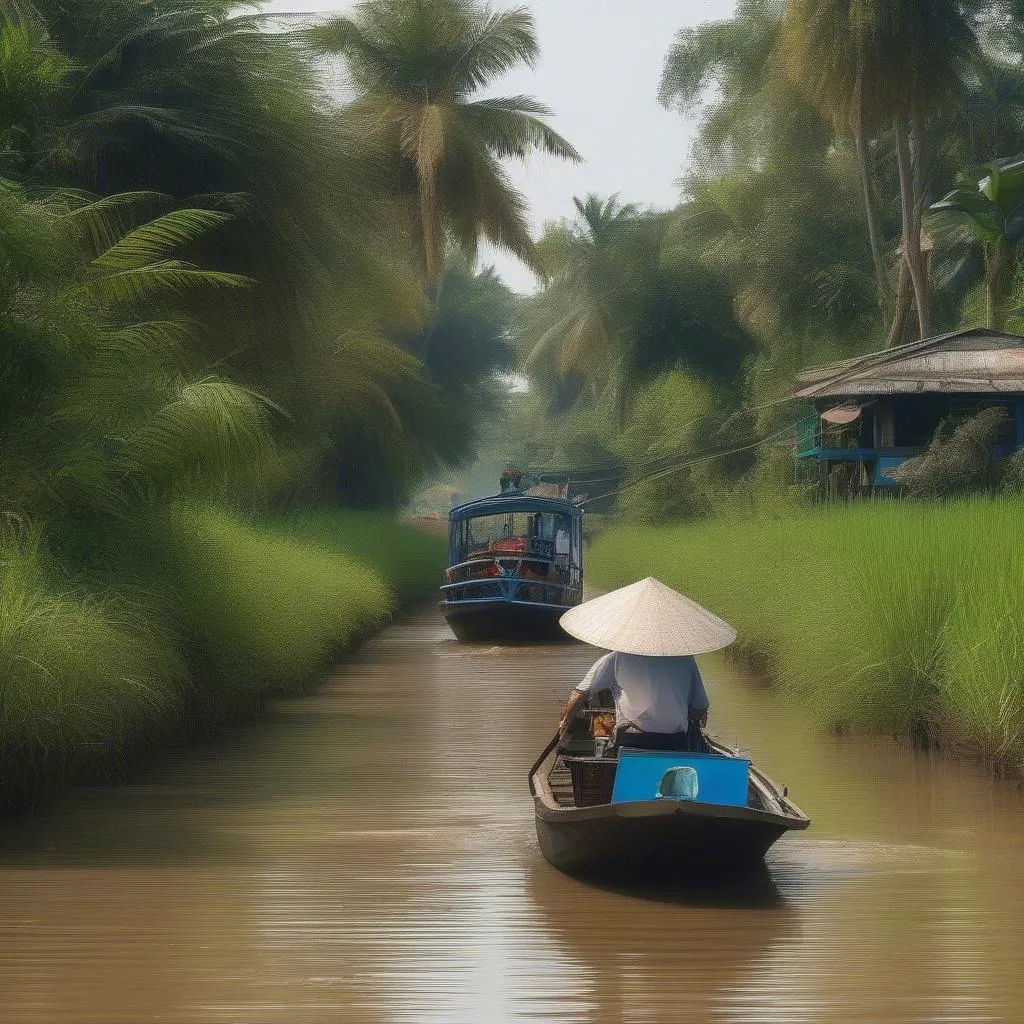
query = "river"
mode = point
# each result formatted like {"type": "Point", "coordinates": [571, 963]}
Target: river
{"type": "Point", "coordinates": [367, 854]}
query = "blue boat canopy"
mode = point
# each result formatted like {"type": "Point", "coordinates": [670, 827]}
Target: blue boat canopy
{"type": "Point", "coordinates": [500, 504]}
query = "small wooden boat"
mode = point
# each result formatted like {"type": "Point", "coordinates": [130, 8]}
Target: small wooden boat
{"type": "Point", "coordinates": [515, 566]}
{"type": "Point", "coordinates": [585, 827]}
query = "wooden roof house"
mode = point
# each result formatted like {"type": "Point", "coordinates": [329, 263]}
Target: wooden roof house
{"type": "Point", "coordinates": [874, 412]}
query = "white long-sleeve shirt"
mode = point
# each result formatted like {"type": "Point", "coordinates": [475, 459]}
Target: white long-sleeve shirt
{"type": "Point", "coordinates": [652, 694]}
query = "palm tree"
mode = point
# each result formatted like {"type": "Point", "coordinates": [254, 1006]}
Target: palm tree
{"type": "Point", "coordinates": [107, 409]}
{"type": "Point", "coordinates": [989, 203]}
{"type": "Point", "coordinates": [772, 193]}
{"type": "Point", "coordinates": [734, 61]}
{"type": "Point", "coordinates": [192, 98]}
{"type": "Point", "coordinates": [418, 65]}
{"type": "Point", "coordinates": [582, 262]}
{"type": "Point", "coordinates": [33, 72]}
{"type": "Point", "coordinates": [625, 300]}
{"type": "Point", "coordinates": [835, 77]}
{"type": "Point", "coordinates": [892, 62]}
{"type": "Point", "coordinates": [921, 56]}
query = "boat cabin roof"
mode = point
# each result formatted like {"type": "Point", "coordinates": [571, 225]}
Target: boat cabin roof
{"type": "Point", "coordinates": [499, 504]}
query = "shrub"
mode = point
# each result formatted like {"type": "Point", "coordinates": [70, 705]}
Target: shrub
{"type": "Point", "coordinates": [960, 460]}
{"type": "Point", "coordinates": [680, 419]}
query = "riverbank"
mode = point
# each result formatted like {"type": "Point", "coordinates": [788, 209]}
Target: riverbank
{"type": "Point", "coordinates": [229, 613]}
{"type": "Point", "coordinates": [890, 617]}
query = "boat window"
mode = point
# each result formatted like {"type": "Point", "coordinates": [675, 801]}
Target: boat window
{"type": "Point", "coordinates": [542, 534]}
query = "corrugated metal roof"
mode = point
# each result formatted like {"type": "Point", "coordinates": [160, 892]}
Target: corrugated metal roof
{"type": "Point", "coordinates": [967, 361]}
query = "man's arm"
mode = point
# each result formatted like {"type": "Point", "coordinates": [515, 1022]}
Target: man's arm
{"type": "Point", "coordinates": [600, 677]}
{"type": "Point", "coordinates": [574, 700]}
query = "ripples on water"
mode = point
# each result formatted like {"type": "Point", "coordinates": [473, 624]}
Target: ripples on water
{"type": "Point", "coordinates": [367, 854]}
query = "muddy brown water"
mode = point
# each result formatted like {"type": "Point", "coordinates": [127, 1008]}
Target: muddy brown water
{"type": "Point", "coordinates": [367, 854]}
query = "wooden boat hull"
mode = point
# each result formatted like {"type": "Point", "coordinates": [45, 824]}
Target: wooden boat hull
{"type": "Point", "coordinates": [674, 839]}
{"type": "Point", "coordinates": [504, 620]}
{"type": "Point", "coordinates": [663, 836]}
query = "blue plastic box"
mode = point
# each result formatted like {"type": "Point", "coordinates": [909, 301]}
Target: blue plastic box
{"type": "Point", "coordinates": [720, 780]}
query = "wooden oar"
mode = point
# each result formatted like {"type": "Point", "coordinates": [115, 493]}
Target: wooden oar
{"type": "Point", "coordinates": [540, 760]}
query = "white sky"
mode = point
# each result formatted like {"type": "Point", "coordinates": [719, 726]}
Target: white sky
{"type": "Point", "coordinates": [599, 70]}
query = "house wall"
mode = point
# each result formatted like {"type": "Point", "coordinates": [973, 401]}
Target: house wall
{"type": "Point", "coordinates": [884, 424]}
{"type": "Point", "coordinates": [892, 429]}
{"type": "Point", "coordinates": [917, 417]}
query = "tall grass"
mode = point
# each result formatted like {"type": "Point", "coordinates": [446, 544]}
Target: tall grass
{"type": "Point", "coordinates": [905, 618]}
{"type": "Point", "coordinates": [232, 612]}
{"type": "Point", "coordinates": [267, 605]}
{"type": "Point", "coordinates": [408, 560]}
{"type": "Point", "coordinates": [82, 679]}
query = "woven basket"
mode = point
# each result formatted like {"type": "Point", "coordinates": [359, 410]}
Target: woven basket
{"type": "Point", "coordinates": [592, 779]}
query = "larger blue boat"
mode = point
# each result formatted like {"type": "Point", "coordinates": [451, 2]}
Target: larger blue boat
{"type": "Point", "coordinates": [515, 566]}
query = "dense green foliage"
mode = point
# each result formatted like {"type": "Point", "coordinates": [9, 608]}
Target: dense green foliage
{"type": "Point", "coordinates": [201, 107]}
{"type": "Point", "coordinates": [225, 312]}
{"type": "Point", "coordinates": [988, 208]}
{"type": "Point", "coordinates": [830, 134]}
{"type": "Point", "coordinates": [896, 617]}
{"type": "Point", "coordinates": [417, 66]}
{"type": "Point", "coordinates": [231, 304]}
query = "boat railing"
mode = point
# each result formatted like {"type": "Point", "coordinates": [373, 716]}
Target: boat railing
{"type": "Point", "coordinates": [514, 588]}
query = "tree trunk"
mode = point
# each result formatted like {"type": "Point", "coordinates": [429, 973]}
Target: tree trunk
{"type": "Point", "coordinates": [433, 256]}
{"type": "Point", "coordinates": [882, 287]}
{"type": "Point", "coordinates": [868, 193]}
{"type": "Point", "coordinates": [997, 284]}
{"type": "Point", "coordinates": [910, 210]}
{"type": "Point", "coordinates": [433, 252]}
{"type": "Point", "coordinates": [904, 301]}
{"type": "Point", "coordinates": [917, 177]}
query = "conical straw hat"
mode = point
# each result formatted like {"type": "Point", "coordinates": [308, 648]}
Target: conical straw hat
{"type": "Point", "coordinates": [648, 618]}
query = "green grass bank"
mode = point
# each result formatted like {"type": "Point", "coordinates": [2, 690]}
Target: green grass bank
{"type": "Point", "coordinates": [228, 613]}
{"type": "Point", "coordinates": [890, 617]}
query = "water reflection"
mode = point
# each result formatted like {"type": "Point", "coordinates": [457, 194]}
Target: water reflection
{"type": "Point", "coordinates": [656, 955]}
{"type": "Point", "coordinates": [367, 854]}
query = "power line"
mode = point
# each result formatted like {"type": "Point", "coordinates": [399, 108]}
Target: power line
{"type": "Point", "coordinates": [654, 459]}
{"type": "Point", "coordinates": [652, 464]}
{"type": "Point", "coordinates": [692, 462]}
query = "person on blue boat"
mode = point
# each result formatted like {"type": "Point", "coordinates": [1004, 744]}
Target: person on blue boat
{"type": "Point", "coordinates": [652, 634]}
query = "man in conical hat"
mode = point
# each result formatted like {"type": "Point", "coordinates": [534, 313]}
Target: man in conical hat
{"type": "Point", "coordinates": [652, 634]}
